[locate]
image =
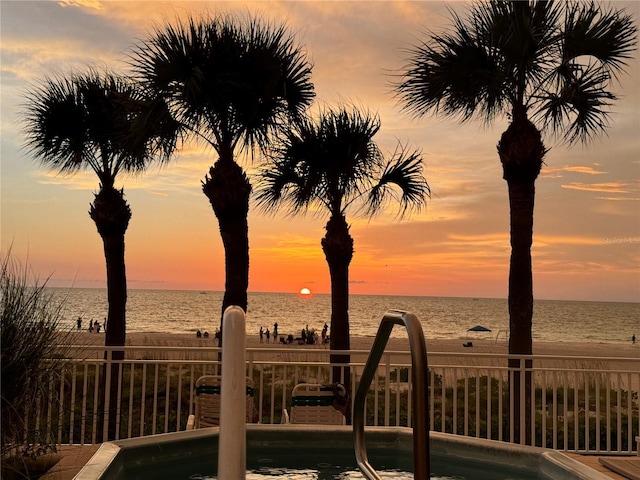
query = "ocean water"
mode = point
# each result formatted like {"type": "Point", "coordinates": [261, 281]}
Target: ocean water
{"type": "Point", "coordinates": [185, 311]}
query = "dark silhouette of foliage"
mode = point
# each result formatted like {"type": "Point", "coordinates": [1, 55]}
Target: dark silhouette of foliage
{"type": "Point", "coordinates": [232, 83]}
{"type": "Point", "coordinates": [103, 123]}
{"type": "Point", "coordinates": [547, 66]}
{"type": "Point", "coordinates": [332, 165]}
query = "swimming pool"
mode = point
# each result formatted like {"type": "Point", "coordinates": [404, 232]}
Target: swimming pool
{"type": "Point", "coordinates": [326, 452]}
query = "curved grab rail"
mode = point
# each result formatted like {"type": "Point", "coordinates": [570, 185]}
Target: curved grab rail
{"type": "Point", "coordinates": [420, 380]}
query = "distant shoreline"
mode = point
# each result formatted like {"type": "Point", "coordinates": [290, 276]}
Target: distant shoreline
{"type": "Point", "coordinates": [204, 292]}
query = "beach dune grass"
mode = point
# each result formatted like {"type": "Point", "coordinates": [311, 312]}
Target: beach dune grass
{"type": "Point", "coordinates": [29, 319]}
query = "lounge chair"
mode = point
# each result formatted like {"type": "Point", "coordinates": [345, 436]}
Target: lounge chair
{"type": "Point", "coordinates": [314, 404]}
{"type": "Point", "coordinates": [207, 412]}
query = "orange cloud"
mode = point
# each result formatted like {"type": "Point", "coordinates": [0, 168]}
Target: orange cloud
{"type": "Point", "coordinates": [86, 180]}
{"type": "Point", "coordinates": [541, 241]}
{"type": "Point", "coordinates": [556, 172]}
{"type": "Point", "coordinates": [91, 4]}
{"type": "Point", "coordinates": [617, 199]}
{"type": "Point", "coordinates": [481, 239]}
{"type": "Point", "coordinates": [611, 187]}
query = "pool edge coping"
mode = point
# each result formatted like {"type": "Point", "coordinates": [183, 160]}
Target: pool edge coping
{"type": "Point", "coordinates": [549, 462]}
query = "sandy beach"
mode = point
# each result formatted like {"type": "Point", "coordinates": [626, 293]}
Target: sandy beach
{"type": "Point", "coordinates": [480, 346]}
{"type": "Point", "coordinates": [442, 353]}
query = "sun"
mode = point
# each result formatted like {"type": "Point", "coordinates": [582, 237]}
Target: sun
{"type": "Point", "coordinates": [305, 292]}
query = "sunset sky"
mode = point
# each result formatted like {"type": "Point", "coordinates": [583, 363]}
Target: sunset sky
{"type": "Point", "coordinates": [587, 216]}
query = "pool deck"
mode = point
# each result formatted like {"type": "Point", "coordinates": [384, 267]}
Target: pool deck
{"type": "Point", "coordinates": [593, 461]}
{"type": "Point", "coordinates": [73, 458]}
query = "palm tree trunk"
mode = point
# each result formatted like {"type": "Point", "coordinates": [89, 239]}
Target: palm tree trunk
{"type": "Point", "coordinates": [521, 200]}
{"type": "Point", "coordinates": [235, 238]}
{"type": "Point", "coordinates": [228, 189]}
{"type": "Point", "coordinates": [521, 152]}
{"type": "Point", "coordinates": [111, 214]}
{"type": "Point", "coordinates": [337, 245]}
{"type": "Point", "coordinates": [115, 334]}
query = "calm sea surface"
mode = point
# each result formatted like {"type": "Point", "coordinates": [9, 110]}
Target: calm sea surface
{"type": "Point", "coordinates": [185, 311]}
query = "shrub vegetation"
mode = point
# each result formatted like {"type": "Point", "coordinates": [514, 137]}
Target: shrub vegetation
{"type": "Point", "coordinates": [30, 343]}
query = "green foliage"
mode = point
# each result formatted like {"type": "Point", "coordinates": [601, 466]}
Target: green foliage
{"type": "Point", "coordinates": [450, 411]}
{"type": "Point", "coordinates": [29, 319]}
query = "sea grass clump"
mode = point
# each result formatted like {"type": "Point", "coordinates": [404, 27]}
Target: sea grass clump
{"type": "Point", "coordinates": [30, 344]}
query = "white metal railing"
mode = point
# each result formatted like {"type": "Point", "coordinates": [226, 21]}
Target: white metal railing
{"type": "Point", "coordinates": [582, 404]}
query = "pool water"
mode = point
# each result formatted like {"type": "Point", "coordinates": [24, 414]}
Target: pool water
{"type": "Point", "coordinates": [312, 474]}
{"type": "Point", "coordinates": [334, 464]}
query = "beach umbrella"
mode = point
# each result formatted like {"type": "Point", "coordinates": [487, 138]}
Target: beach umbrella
{"type": "Point", "coordinates": [479, 328]}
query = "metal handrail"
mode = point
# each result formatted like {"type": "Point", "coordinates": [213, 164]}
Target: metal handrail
{"type": "Point", "coordinates": [420, 380]}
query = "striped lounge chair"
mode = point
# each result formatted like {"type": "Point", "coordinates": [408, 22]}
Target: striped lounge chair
{"type": "Point", "coordinates": [207, 411]}
{"type": "Point", "coordinates": [313, 404]}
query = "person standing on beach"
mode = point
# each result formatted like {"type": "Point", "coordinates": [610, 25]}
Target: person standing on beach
{"type": "Point", "coordinates": [268, 334]}
{"type": "Point", "coordinates": [79, 323]}
{"type": "Point", "coordinates": [275, 332]}
{"type": "Point", "coordinates": [261, 333]}
{"type": "Point", "coordinates": [90, 326]}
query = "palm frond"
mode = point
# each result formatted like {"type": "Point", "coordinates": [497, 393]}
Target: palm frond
{"type": "Point", "coordinates": [333, 162]}
{"type": "Point", "coordinates": [92, 121]}
{"type": "Point", "coordinates": [456, 73]}
{"type": "Point", "coordinates": [53, 123]}
{"type": "Point", "coordinates": [579, 107]}
{"type": "Point", "coordinates": [610, 36]}
{"type": "Point", "coordinates": [153, 132]}
{"type": "Point", "coordinates": [232, 80]}
{"type": "Point", "coordinates": [279, 183]}
{"type": "Point", "coordinates": [403, 172]}
{"type": "Point", "coordinates": [288, 177]}
{"type": "Point", "coordinates": [594, 47]}
{"type": "Point", "coordinates": [525, 55]}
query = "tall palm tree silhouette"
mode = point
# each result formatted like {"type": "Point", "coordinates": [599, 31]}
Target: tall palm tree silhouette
{"type": "Point", "coordinates": [546, 66]}
{"type": "Point", "coordinates": [232, 83]}
{"type": "Point", "coordinates": [103, 123]}
{"type": "Point", "coordinates": [332, 165]}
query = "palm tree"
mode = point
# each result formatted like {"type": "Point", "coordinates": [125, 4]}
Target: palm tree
{"type": "Point", "coordinates": [546, 66]}
{"type": "Point", "coordinates": [330, 166]}
{"type": "Point", "coordinates": [103, 123]}
{"type": "Point", "coordinates": [232, 84]}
